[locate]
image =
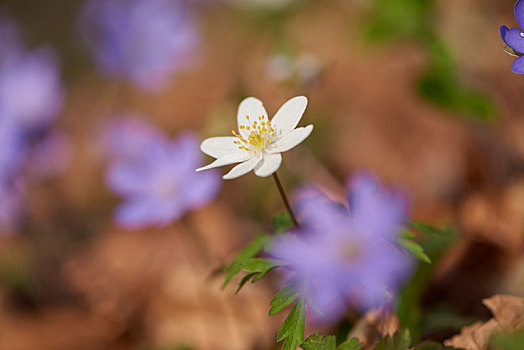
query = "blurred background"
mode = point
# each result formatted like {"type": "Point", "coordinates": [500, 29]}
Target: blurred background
{"type": "Point", "coordinates": [418, 91]}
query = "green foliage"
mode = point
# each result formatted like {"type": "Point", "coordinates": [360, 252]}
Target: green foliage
{"type": "Point", "coordinates": [246, 261]}
{"type": "Point", "coordinates": [442, 317]}
{"type": "Point", "coordinates": [434, 241]}
{"type": "Point", "coordinates": [441, 82]}
{"type": "Point", "coordinates": [282, 222]}
{"type": "Point", "coordinates": [508, 341]}
{"type": "Point", "coordinates": [292, 329]}
{"type": "Point", "coordinates": [406, 239]}
{"type": "Point", "coordinates": [396, 19]}
{"type": "Point", "coordinates": [351, 344]}
{"type": "Point", "coordinates": [283, 298]}
{"type": "Point", "coordinates": [399, 341]}
{"type": "Point", "coordinates": [319, 342]}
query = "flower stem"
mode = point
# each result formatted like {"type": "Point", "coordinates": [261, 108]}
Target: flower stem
{"type": "Point", "coordinates": [284, 199]}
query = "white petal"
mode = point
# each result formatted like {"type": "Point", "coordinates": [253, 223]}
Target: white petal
{"type": "Point", "coordinates": [243, 168]}
{"type": "Point", "coordinates": [219, 146]}
{"type": "Point", "coordinates": [288, 116]}
{"type": "Point", "coordinates": [269, 164]}
{"type": "Point", "coordinates": [227, 159]}
{"type": "Point", "coordinates": [251, 107]}
{"type": "Point", "coordinates": [291, 139]}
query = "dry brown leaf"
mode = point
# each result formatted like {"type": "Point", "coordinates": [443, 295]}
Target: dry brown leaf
{"type": "Point", "coordinates": [373, 325]}
{"type": "Point", "coordinates": [497, 218]}
{"type": "Point", "coordinates": [508, 312]}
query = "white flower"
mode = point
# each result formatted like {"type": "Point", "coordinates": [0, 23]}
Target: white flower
{"type": "Point", "coordinates": [259, 142]}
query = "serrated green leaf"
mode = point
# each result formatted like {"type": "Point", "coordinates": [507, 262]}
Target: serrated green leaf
{"type": "Point", "coordinates": [244, 280]}
{"type": "Point", "coordinates": [318, 342]}
{"type": "Point", "coordinates": [282, 299]}
{"type": "Point", "coordinates": [257, 268]}
{"type": "Point", "coordinates": [351, 344]}
{"type": "Point", "coordinates": [401, 340]}
{"type": "Point", "coordinates": [292, 329]}
{"type": "Point", "coordinates": [248, 252]}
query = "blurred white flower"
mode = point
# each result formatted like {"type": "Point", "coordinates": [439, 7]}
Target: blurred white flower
{"type": "Point", "coordinates": [302, 69]}
{"type": "Point", "coordinates": [259, 142]}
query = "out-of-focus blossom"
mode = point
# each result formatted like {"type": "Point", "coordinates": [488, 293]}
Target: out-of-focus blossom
{"type": "Point", "coordinates": [31, 97]}
{"type": "Point", "coordinates": [259, 142]}
{"type": "Point", "coordinates": [514, 38]}
{"type": "Point", "coordinates": [126, 136]}
{"type": "Point", "coordinates": [30, 87]}
{"type": "Point", "coordinates": [159, 183]}
{"type": "Point", "coordinates": [302, 70]}
{"type": "Point", "coordinates": [144, 41]}
{"type": "Point", "coordinates": [11, 148]}
{"type": "Point", "coordinates": [342, 258]}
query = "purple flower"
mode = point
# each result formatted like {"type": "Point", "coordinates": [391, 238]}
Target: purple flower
{"type": "Point", "coordinates": [514, 37]}
{"type": "Point", "coordinates": [126, 136]}
{"type": "Point", "coordinates": [340, 258]}
{"type": "Point", "coordinates": [11, 149]}
{"type": "Point", "coordinates": [144, 41]}
{"type": "Point", "coordinates": [30, 87]}
{"type": "Point", "coordinates": [159, 183]}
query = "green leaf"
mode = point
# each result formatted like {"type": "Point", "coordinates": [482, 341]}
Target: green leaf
{"type": "Point", "coordinates": [399, 341]}
{"type": "Point", "coordinates": [351, 344]}
{"type": "Point", "coordinates": [244, 280]}
{"type": "Point", "coordinates": [292, 329]}
{"type": "Point", "coordinates": [413, 247]}
{"type": "Point", "coordinates": [318, 342]}
{"type": "Point", "coordinates": [282, 299]}
{"type": "Point", "coordinates": [256, 268]}
{"type": "Point", "coordinates": [409, 310]}
{"type": "Point", "coordinates": [248, 252]}
{"type": "Point", "coordinates": [282, 222]}
{"type": "Point", "coordinates": [508, 341]}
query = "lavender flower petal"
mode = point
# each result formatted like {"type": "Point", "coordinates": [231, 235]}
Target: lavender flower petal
{"type": "Point", "coordinates": [519, 14]}
{"type": "Point", "coordinates": [513, 38]}
{"type": "Point", "coordinates": [518, 65]}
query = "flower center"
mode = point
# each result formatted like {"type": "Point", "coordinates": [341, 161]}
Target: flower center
{"type": "Point", "coordinates": [522, 34]}
{"type": "Point", "coordinates": [261, 134]}
{"type": "Point", "coordinates": [349, 251]}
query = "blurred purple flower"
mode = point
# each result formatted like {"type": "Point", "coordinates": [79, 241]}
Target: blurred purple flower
{"type": "Point", "coordinates": [514, 37]}
{"type": "Point", "coordinates": [342, 258]}
{"type": "Point", "coordinates": [126, 136]}
{"type": "Point", "coordinates": [11, 148]}
{"type": "Point", "coordinates": [142, 40]}
{"type": "Point", "coordinates": [30, 88]}
{"type": "Point", "coordinates": [158, 181]}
